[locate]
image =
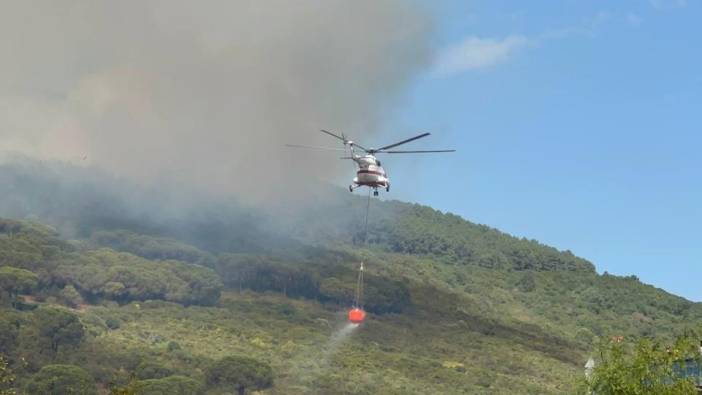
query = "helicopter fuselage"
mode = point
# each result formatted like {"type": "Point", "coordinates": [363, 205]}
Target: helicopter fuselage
{"type": "Point", "coordinates": [370, 173]}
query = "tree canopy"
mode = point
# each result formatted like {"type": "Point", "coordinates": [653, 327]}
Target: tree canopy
{"type": "Point", "coordinates": [240, 373]}
{"type": "Point", "coordinates": [151, 247]}
{"type": "Point", "coordinates": [62, 380]}
{"type": "Point", "coordinates": [14, 281]}
{"type": "Point", "coordinates": [28, 245]}
{"type": "Point", "coordinates": [59, 327]}
{"type": "Point", "coordinates": [125, 277]}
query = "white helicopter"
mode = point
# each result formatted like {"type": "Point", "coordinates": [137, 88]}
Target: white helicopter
{"type": "Point", "coordinates": [370, 172]}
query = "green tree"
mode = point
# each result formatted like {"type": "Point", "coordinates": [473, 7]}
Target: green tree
{"type": "Point", "coordinates": [70, 296]}
{"type": "Point", "coordinates": [7, 378]}
{"type": "Point", "coordinates": [9, 329]}
{"type": "Point", "coordinates": [643, 368]}
{"type": "Point", "coordinates": [59, 327]}
{"type": "Point", "coordinates": [242, 373]}
{"type": "Point", "coordinates": [62, 380]}
{"type": "Point", "coordinates": [14, 281]}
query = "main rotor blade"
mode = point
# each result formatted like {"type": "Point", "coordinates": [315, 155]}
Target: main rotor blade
{"type": "Point", "coordinates": [402, 142]}
{"type": "Point", "coordinates": [333, 135]}
{"type": "Point", "coordinates": [344, 140]}
{"type": "Point", "coordinates": [361, 147]}
{"type": "Point", "coordinates": [313, 147]}
{"type": "Point", "coordinates": [416, 152]}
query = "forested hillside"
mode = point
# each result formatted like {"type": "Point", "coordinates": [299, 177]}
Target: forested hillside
{"type": "Point", "coordinates": [105, 290]}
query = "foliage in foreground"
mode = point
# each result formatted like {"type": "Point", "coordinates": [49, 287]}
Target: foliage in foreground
{"type": "Point", "coordinates": [644, 368]}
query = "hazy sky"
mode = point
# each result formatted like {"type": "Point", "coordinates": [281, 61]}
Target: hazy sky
{"type": "Point", "coordinates": [578, 123]}
{"type": "Point", "coordinates": [203, 93]}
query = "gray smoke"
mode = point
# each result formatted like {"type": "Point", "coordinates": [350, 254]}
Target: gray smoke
{"type": "Point", "coordinates": [203, 93]}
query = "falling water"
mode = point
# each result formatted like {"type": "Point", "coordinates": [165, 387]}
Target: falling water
{"type": "Point", "coordinates": [338, 337]}
{"type": "Point", "coordinates": [309, 365]}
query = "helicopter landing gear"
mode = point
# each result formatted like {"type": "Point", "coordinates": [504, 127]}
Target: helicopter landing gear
{"type": "Point", "coordinates": [351, 188]}
{"type": "Point", "coordinates": [387, 188]}
{"type": "Point", "coordinates": [375, 193]}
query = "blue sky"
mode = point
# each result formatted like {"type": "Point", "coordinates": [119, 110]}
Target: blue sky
{"type": "Point", "coordinates": [578, 123]}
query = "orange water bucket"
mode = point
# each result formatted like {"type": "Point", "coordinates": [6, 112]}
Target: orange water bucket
{"type": "Point", "coordinates": [357, 315]}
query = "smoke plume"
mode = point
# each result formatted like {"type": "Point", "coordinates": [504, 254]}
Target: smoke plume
{"type": "Point", "coordinates": [203, 93]}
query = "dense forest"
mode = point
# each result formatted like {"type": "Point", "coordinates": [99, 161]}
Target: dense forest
{"type": "Point", "coordinates": [110, 288]}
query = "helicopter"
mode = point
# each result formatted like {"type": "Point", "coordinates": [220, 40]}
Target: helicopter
{"type": "Point", "coordinates": [370, 171]}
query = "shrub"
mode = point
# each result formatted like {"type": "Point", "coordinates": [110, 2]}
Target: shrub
{"type": "Point", "coordinates": [113, 323]}
{"type": "Point", "coordinates": [173, 346]}
{"type": "Point", "coordinates": [152, 370]}
{"type": "Point", "coordinates": [172, 385]}
{"type": "Point", "coordinates": [7, 378]}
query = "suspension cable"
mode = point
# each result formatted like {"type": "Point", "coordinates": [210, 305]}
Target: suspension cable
{"type": "Point", "coordinates": [365, 226]}
{"type": "Point", "coordinates": [358, 302]}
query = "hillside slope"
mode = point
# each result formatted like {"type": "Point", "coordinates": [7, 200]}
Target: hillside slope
{"type": "Point", "coordinates": [455, 307]}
